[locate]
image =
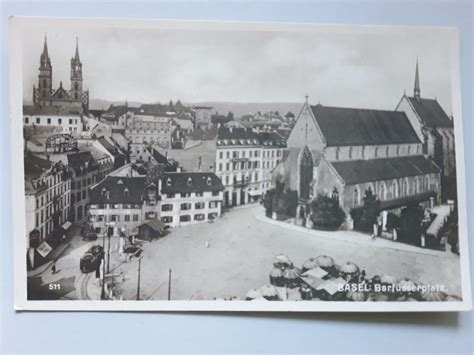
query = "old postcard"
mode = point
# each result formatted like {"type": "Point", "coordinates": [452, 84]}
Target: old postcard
{"type": "Point", "coordinates": [200, 166]}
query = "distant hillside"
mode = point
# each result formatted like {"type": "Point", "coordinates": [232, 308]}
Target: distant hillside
{"type": "Point", "coordinates": [238, 108]}
{"type": "Point", "coordinates": [242, 108]}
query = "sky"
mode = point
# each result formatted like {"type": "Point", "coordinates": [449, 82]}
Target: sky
{"type": "Point", "coordinates": [350, 67]}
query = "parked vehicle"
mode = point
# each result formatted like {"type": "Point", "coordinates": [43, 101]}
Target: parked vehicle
{"type": "Point", "coordinates": [90, 236]}
{"type": "Point", "coordinates": [91, 259]}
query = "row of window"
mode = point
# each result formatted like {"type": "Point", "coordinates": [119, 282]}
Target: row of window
{"type": "Point", "coordinates": [190, 194]}
{"type": "Point", "coordinates": [45, 213]}
{"type": "Point", "coordinates": [416, 187]}
{"type": "Point", "coordinates": [48, 197]}
{"type": "Point", "coordinates": [49, 120]}
{"type": "Point", "coordinates": [188, 206]}
{"type": "Point", "coordinates": [377, 150]}
{"type": "Point", "coordinates": [252, 153]}
{"type": "Point", "coordinates": [187, 217]}
{"type": "Point", "coordinates": [116, 206]}
{"type": "Point", "coordinates": [115, 218]}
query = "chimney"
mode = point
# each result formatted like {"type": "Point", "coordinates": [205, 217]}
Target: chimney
{"type": "Point", "coordinates": [199, 164]}
{"type": "Point", "coordinates": [178, 169]}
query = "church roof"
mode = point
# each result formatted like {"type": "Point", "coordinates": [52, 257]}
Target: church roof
{"type": "Point", "coordinates": [430, 112]}
{"type": "Point", "coordinates": [358, 171]}
{"type": "Point", "coordinates": [352, 126]}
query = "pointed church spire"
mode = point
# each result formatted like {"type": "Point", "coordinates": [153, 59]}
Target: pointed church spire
{"type": "Point", "coordinates": [76, 57]}
{"type": "Point", "coordinates": [44, 59]}
{"type": "Point", "coordinates": [416, 91]}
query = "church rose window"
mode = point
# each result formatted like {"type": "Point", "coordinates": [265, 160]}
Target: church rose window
{"type": "Point", "coordinates": [306, 173]}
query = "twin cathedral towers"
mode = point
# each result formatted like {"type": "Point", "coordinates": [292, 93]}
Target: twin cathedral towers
{"type": "Point", "coordinates": [75, 99]}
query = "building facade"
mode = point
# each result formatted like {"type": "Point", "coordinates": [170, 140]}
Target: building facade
{"type": "Point", "coordinates": [175, 198]}
{"type": "Point", "coordinates": [150, 129]}
{"type": "Point", "coordinates": [47, 198]}
{"type": "Point", "coordinates": [69, 120]}
{"type": "Point", "coordinates": [244, 162]}
{"type": "Point", "coordinates": [343, 152]}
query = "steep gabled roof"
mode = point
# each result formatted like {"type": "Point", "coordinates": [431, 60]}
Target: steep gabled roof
{"type": "Point", "coordinates": [81, 161]}
{"type": "Point", "coordinates": [430, 112]}
{"type": "Point", "coordinates": [353, 126]}
{"type": "Point", "coordinates": [359, 171]}
{"type": "Point", "coordinates": [118, 189]}
{"type": "Point", "coordinates": [190, 182]}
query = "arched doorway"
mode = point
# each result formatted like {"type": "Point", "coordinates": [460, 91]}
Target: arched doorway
{"type": "Point", "coordinates": [305, 173]}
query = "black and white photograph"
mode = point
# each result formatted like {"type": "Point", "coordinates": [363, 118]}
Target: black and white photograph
{"type": "Point", "coordinates": [192, 165]}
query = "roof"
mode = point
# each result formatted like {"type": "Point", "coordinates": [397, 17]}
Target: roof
{"type": "Point", "coordinates": [353, 126]}
{"type": "Point", "coordinates": [190, 182]}
{"type": "Point", "coordinates": [159, 158]}
{"type": "Point", "coordinates": [51, 110]}
{"type": "Point", "coordinates": [358, 171]}
{"type": "Point", "coordinates": [430, 112]}
{"type": "Point", "coordinates": [117, 187]}
{"type": "Point", "coordinates": [81, 160]}
{"type": "Point", "coordinates": [244, 136]}
{"type": "Point", "coordinates": [155, 224]}
{"type": "Point", "coordinates": [35, 166]}
{"type": "Point", "coordinates": [108, 146]}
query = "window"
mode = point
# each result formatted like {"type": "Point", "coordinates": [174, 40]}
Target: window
{"type": "Point", "coordinates": [70, 121]}
{"type": "Point", "coordinates": [167, 219]}
{"type": "Point", "coordinates": [135, 218]}
{"type": "Point", "coordinates": [84, 194]}
{"type": "Point", "coordinates": [417, 149]}
{"type": "Point", "coordinates": [209, 181]}
{"type": "Point", "coordinates": [338, 150]}
{"type": "Point", "coordinates": [382, 191]}
{"type": "Point", "coordinates": [127, 218]}
{"type": "Point", "coordinates": [199, 205]}
{"type": "Point", "coordinates": [199, 217]}
{"type": "Point", "coordinates": [185, 194]}
{"type": "Point", "coordinates": [220, 167]}
{"type": "Point", "coordinates": [167, 207]}
{"type": "Point", "coordinates": [215, 193]}
{"type": "Point", "coordinates": [113, 218]}
{"type": "Point", "coordinates": [406, 187]}
{"type": "Point", "coordinates": [417, 185]}
{"type": "Point", "coordinates": [48, 120]}
{"type": "Point", "coordinates": [185, 218]}
{"type": "Point", "coordinates": [235, 154]}
{"type": "Point", "coordinates": [190, 181]}
{"type": "Point", "coordinates": [350, 153]}
{"type": "Point", "coordinates": [185, 206]}
{"type": "Point", "coordinates": [170, 195]}
{"type": "Point", "coordinates": [27, 120]}
{"type": "Point", "coordinates": [356, 196]}
{"type": "Point", "coordinates": [227, 154]}
{"type": "Point", "coordinates": [427, 183]}
{"type": "Point", "coordinates": [221, 155]}
{"type": "Point", "coordinates": [60, 120]}
{"type": "Point", "coordinates": [394, 189]}
{"type": "Point", "coordinates": [38, 120]}
{"type": "Point", "coordinates": [376, 153]}
{"type": "Point", "coordinates": [387, 151]}
{"type": "Point", "coordinates": [211, 216]}
{"type": "Point", "coordinates": [213, 204]}
{"type": "Point", "coordinates": [150, 215]}
{"type": "Point", "coordinates": [409, 149]}
{"type": "Point", "coordinates": [199, 194]}
{"type": "Point", "coordinates": [78, 196]}
{"type": "Point", "coordinates": [363, 151]}
{"type": "Point", "coordinates": [227, 180]}
{"type": "Point", "coordinates": [398, 150]}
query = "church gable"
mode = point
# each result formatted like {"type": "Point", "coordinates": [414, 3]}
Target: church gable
{"type": "Point", "coordinates": [60, 93]}
{"type": "Point", "coordinates": [306, 132]}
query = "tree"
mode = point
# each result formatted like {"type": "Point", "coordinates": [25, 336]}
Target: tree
{"type": "Point", "coordinates": [410, 224]}
{"type": "Point", "coordinates": [268, 202]}
{"type": "Point", "coordinates": [290, 115]}
{"type": "Point", "coordinates": [230, 116]}
{"type": "Point", "coordinates": [326, 212]}
{"type": "Point", "coordinates": [369, 211]}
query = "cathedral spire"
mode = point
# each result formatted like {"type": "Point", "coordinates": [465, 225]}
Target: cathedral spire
{"type": "Point", "coordinates": [416, 91]}
{"type": "Point", "coordinates": [44, 59]}
{"type": "Point", "coordinates": [76, 57]}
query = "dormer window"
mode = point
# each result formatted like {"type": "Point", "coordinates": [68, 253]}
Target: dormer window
{"type": "Point", "coordinates": [126, 192]}
{"type": "Point", "coordinates": [168, 182]}
{"type": "Point", "coordinates": [120, 182]}
{"type": "Point", "coordinates": [209, 181]}
{"type": "Point", "coordinates": [190, 181]}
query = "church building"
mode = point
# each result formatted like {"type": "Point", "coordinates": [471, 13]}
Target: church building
{"type": "Point", "coordinates": [44, 95]}
{"type": "Point", "coordinates": [343, 152]}
{"type": "Point", "coordinates": [433, 127]}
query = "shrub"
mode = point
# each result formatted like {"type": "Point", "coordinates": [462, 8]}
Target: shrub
{"type": "Point", "coordinates": [326, 212]}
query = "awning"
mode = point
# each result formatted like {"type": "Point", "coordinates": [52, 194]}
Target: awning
{"type": "Point", "coordinates": [254, 193]}
{"type": "Point", "coordinates": [66, 225]}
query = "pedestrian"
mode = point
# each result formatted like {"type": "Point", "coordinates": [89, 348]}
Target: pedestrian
{"type": "Point", "coordinates": [53, 267]}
